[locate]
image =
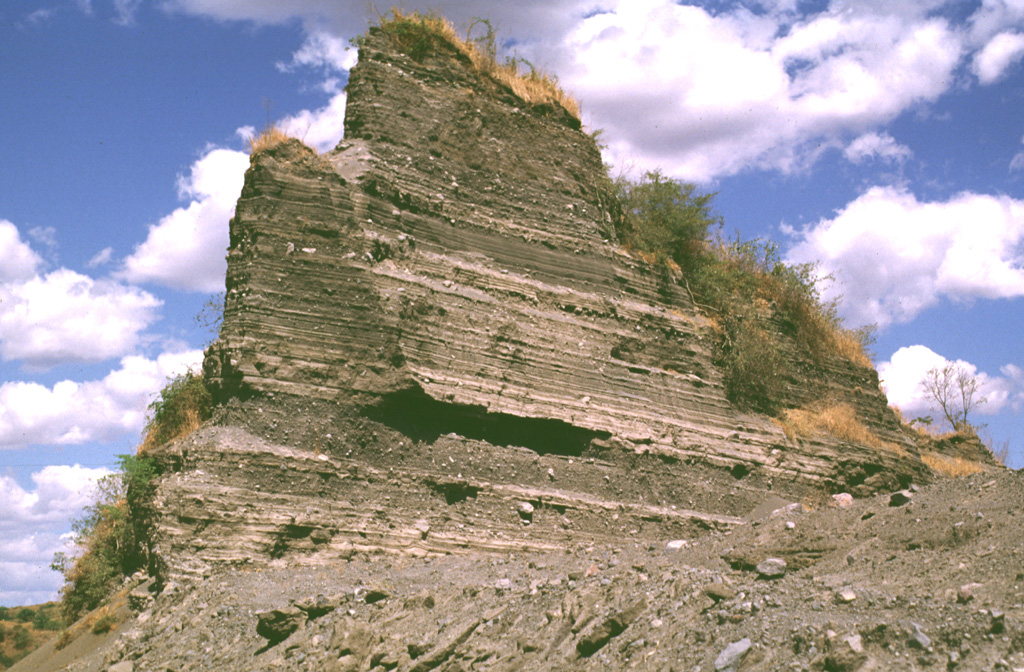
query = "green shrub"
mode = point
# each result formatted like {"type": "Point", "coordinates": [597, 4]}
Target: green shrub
{"type": "Point", "coordinates": [753, 366]}
{"type": "Point", "coordinates": [22, 638]}
{"type": "Point", "coordinates": [104, 623]}
{"type": "Point", "coordinates": [183, 405]}
{"type": "Point", "coordinates": [110, 536]}
{"type": "Point", "coordinates": [42, 620]}
{"type": "Point", "coordinates": [754, 296]}
{"type": "Point", "coordinates": [665, 220]}
{"type": "Point", "coordinates": [25, 615]}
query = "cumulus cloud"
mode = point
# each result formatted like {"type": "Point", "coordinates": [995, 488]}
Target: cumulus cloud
{"type": "Point", "coordinates": [876, 145]}
{"type": "Point", "coordinates": [701, 91]}
{"type": "Point", "coordinates": [323, 50]}
{"type": "Point", "coordinates": [20, 261]}
{"type": "Point", "coordinates": [901, 378]}
{"type": "Point", "coordinates": [321, 129]}
{"type": "Point", "coordinates": [185, 249]}
{"type": "Point", "coordinates": [70, 412]}
{"type": "Point", "coordinates": [60, 491]}
{"type": "Point", "coordinates": [706, 95]}
{"type": "Point", "coordinates": [32, 528]}
{"type": "Point", "coordinates": [65, 316]}
{"type": "Point", "coordinates": [894, 256]}
{"type": "Point", "coordinates": [992, 62]}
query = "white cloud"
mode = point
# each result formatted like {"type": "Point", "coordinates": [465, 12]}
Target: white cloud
{"type": "Point", "coordinates": [124, 11]}
{"type": "Point", "coordinates": [321, 129]}
{"type": "Point", "coordinates": [894, 256]}
{"type": "Point", "coordinates": [31, 526]}
{"type": "Point", "coordinates": [60, 492]}
{"type": "Point", "coordinates": [1002, 51]}
{"type": "Point", "coordinates": [901, 378]}
{"type": "Point", "coordinates": [186, 249]}
{"type": "Point", "coordinates": [994, 17]}
{"type": "Point", "coordinates": [40, 15]}
{"type": "Point", "coordinates": [876, 145]}
{"type": "Point", "coordinates": [704, 92]}
{"type": "Point", "coordinates": [20, 261]}
{"type": "Point", "coordinates": [101, 258]}
{"type": "Point", "coordinates": [324, 50]}
{"type": "Point", "coordinates": [706, 95]}
{"type": "Point", "coordinates": [65, 316]}
{"type": "Point", "coordinates": [100, 410]}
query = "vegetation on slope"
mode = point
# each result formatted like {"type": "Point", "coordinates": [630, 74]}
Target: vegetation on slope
{"type": "Point", "coordinates": [111, 535]}
{"type": "Point", "coordinates": [23, 629]}
{"type": "Point", "coordinates": [421, 35]}
{"type": "Point", "coordinates": [745, 287]}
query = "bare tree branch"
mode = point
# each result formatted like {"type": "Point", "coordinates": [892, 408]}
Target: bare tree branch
{"type": "Point", "coordinates": [955, 391]}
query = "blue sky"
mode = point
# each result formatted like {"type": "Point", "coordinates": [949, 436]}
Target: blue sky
{"type": "Point", "coordinates": [883, 140]}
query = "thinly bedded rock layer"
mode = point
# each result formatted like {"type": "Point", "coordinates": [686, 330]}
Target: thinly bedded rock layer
{"type": "Point", "coordinates": [445, 277]}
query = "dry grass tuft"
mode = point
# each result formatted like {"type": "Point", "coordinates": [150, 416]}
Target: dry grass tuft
{"type": "Point", "coordinates": [271, 136]}
{"type": "Point", "coordinates": [849, 347]}
{"type": "Point", "coordinates": [838, 420]}
{"type": "Point", "coordinates": [951, 466]}
{"type": "Point", "coordinates": [414, 32]}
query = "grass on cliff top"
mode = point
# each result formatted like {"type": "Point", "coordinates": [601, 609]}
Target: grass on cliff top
{"type": "Point", "coordinates": [418, 35]}
{"type": "Point", "coordinates": [269, 137]}
{"type": "Point", "coordinates": [181, 407]}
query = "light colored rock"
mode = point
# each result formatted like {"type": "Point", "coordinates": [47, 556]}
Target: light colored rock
{"type": "Point", "coordinates": [731, 657]}
{"type": "Point", "coordinates": [845, 596]}
{"type": "Point", "coordinates": [842, 500]}
{"type": "Point", "coordinates": [967, 592]}
{"type": "Point", "coordinates": [771, 568]}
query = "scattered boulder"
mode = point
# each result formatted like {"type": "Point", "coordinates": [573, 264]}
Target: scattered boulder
{"type": "Point", "coordinates": [842, 500]}
{"type": "Point", "coordinates": [595, 638]}
{"type": "Point", "coordinates": [141, 598]}
{"type": "Point", "coordinates": [676, 545]}
{"type": "Point", "coordinates": [772, 568]}
{"type": "Point", "coordinates": [918, 639]}
{"type": "Point", "coordinates": [967, 592]}
{"type": "Point", "coordinates": [900, 497]}
{"type": "Point", "coordinates": [846, 654]}
{"type": "Point", "coordinates": [353, 642]}
{"type": "Point", "coordinates": [719, 591]}
{"type": "Point", "coordinates": [315, 607]}
{"type": "Point", "coordinates": [731, 657]}
{"type": "Point", "coordinates": [277, 625]}
{"type": "Point", "coordinates": [845, 596]}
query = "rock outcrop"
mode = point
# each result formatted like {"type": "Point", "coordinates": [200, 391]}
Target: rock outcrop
{"type": "Point", "coordinates": [459, 429]}
{"type": "Point", "coordinates": [431, 325]}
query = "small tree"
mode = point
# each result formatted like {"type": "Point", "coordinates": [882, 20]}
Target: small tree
{"type": "Point", "coordinates": [955, 391]}
{"type": "Point", "coordinates": [665, 218]}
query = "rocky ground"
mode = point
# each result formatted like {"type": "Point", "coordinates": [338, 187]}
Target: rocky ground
{"type": "Point", "coordinates": [926, 579]}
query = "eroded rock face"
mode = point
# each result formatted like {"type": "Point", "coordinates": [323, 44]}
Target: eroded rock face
{"type": "Point", "coordinates": [435, 312]}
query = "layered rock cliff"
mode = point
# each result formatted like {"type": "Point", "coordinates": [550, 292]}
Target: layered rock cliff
{"type": "Point", "coordinates": [459, 428]}
{"type": "Point", "coordinates": [432, 343]}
